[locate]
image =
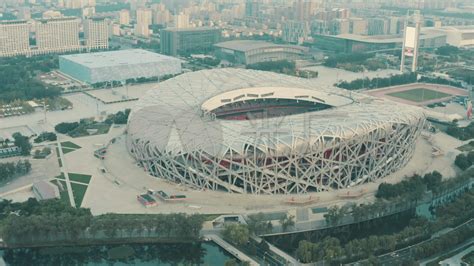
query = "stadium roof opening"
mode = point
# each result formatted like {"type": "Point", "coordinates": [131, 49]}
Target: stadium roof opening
{"type": "Point", "coordinates": [263, 102]}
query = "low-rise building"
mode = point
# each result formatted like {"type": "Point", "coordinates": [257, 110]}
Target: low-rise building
{"type": "Point", "coordinates": [44, 190]}
{"type": "Point", "coordinates": [119, 65]}
{"type": "Point", "coordinates": [250, 52]}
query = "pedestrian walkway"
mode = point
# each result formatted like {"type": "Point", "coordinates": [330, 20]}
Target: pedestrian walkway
{"type": "Point", "coordinates": [231, 249]}
{"type": "Point", "coordinates": [66, 175]}
{"type": "Point", "coordinates": [289, 259]}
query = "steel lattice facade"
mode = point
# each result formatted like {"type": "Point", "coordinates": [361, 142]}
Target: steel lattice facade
{"type": "Point", "coordinates": [358, 140]}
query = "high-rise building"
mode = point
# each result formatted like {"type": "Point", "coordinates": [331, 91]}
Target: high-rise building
{"type": "Point", "coordinates": [144, 20]}
{"type": "Point", "coordinates": [14, 38]}
{"type": "Point", "coordinates": [295, 31]}
{"type": "Point", "coordinates": [57, 35]}
{"type": "Point", "coordinates": [96, 33]}
{"type": "Point", "coordinates": [340, 26]}
{"type": "Point", "coordinates": [190, 40]}
{"type": "Point", "coordinates": [181, 21]}
{"type": "Point", "coordinates": [304, 9]}
{"type": "Point", "coordinates": [377, 26]}
{"type": "Point", "coordinates": [395, 25]}
{"type": "Point", "coordinates": [358, 26]}
{"type": "Point", "coordinates": [252, 8]}
{"type": "Point", "coordinates": [124, 17]}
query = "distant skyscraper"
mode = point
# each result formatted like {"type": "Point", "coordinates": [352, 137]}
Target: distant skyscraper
{"type": "Point", "coordinates": [181, 21]}
{"type": "Point", "coordinates": [358, 26]}
{"type": "Point", "coordinates": [252, 8]}
{"type": "Point", "coordinates": [14, 38]}
{"type": "Point", "coordinates": [303, 9]}
{"type": "Point", "coordinates": [295, 31]}
{"type": "Point", "coordinates": [57, 35]}
{"type": "Point", "coordinates": [378, 26]}
{"type": "Point", "coordinates": [96, 33]}
{"type": "Point", "coordinates": [144, 20]}
{"type": "Point", "coordinates": [124, 17]}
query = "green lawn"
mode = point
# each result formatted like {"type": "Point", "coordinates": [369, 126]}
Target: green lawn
{"type": "Point", "coordinates": [419, 95]}
{"type": "Point", "coordinates": [70, 145]}
{"type": "Point", "coordinates": [64, 195]}
{"type": "Point", "coordinates": [61, 176]}
{"type": "Point", "coordinates": [78, 191]}
{"type": "Point", "coordinates": [80, 178]}
{"type": "Point", "coordinates": [67, 150]}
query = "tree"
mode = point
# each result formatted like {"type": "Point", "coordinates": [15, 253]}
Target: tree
{"type": "Point", "coordinates": [287, 222]}
{"type": "Point", "coordinates": [23, 143]}
{"type": "Point", "coordinates": [237, 234]}
{"type": "Point", "coordinates": [334, 215]}
{"type": "Point", "coordinates": [432, 180]}
{"type": "Point", "coordinates": [258, 225]}
{"type": "Point", "coordinates": [462, 161]}
{"type": "Point", "coordinates": [65, 127]}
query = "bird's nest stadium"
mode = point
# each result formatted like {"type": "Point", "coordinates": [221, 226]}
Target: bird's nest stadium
{"type": "Point", "coordinates": [247, 131]}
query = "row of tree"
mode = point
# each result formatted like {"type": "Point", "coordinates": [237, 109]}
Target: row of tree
{"type": "Point", "coordinates": [464, 161]}
{"type": "Point", "coordinates": [375, 83]}
{"type": "Point", "coordinates": [450, 215]}
{"type": "Point", "coordinates": [54, 222]}
{"type": "Point", "coordinates": [462, 133]}
{"type": "Point", "coordinates": [14, 169]}
{"type": "Point", "coordinates": [281, 66]}
{"type": "Point", "coordinates": [333, 61]}
{"type": "Point", "coordinates": [121, 117]}
{"type": "Point", "coordinates": [411, 188]}
{"type": "Point", "coordinates": [45, 136]}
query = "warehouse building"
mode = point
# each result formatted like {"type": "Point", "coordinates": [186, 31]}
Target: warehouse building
{"type": "Point", "coordinates": [251, 52]}
{"type": "Point", "coordinates": [118, 65]}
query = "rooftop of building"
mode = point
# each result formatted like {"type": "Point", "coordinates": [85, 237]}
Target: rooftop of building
{"type": "Point", "coordinates": [190, 29]}
{"type": "Point", "coordinates": [247, 45]}
{"type": "Point", "coordinates": [425, 34]}
{"type": "Point", "coordinates": [117, 58]}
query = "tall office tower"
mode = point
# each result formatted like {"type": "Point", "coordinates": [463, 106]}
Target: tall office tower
{"type": "Point", "coordinates": [295, 31]}
{"type": "Point", "coordinates": [358, 26]}
{"type": "Point", "coordinates": [57, 35]}
{"type": "Point", "coordinates": [181, 21]}
{"type": "Point", "coordinates": [252, 8]}
{"type": "Point", "coordinates": [124, 17]}
{"type": "Point", "coordinates": [96, 33]}
{"type": "Point", "coordinates": [144, 20]}
{"type": "Point", "coordinates": [14, 38]}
